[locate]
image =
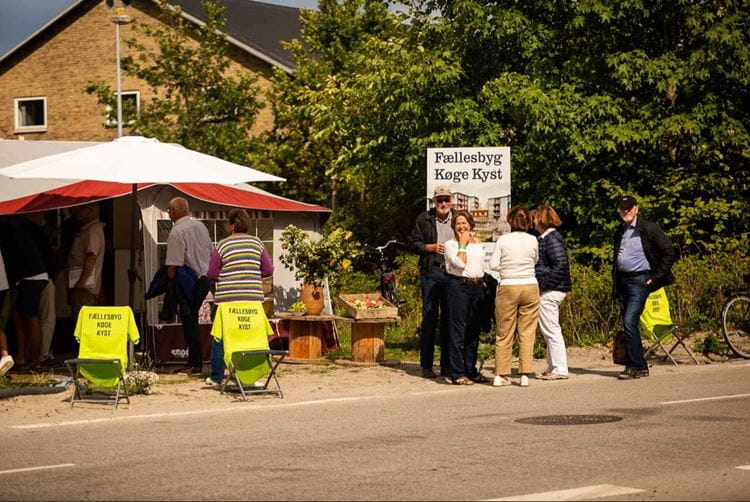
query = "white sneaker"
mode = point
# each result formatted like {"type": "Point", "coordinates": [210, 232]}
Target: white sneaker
{"type": "Point", "coordinates": [211, 383]}
{"type": "Point", "coordinates": [500, 381]}
{"type": "Point", "coordinates": [524, 382]}
{"type": "Point", "coordinates": [6, 363]}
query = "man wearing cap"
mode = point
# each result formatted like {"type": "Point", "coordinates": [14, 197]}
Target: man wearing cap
{"type": "Point", "coordinates": [432, 229]}
{"type": "Point", "coordinates": [643, 258]}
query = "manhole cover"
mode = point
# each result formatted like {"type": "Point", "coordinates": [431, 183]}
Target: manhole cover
{"type": "Point", "coordinates": [569, 419]}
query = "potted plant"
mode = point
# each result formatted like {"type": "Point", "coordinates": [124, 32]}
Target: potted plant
{"type": "Point", "coordinates": [314, 261]}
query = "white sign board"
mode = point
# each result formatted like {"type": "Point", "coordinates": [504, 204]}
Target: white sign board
{"type": "Point", "coordinates": [479, 179]}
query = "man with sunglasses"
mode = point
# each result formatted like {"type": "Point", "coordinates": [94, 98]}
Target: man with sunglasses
{"type": "Point", "coordinates": [643, 258]}
{"type": "Point", "coordinates": [432, 229]}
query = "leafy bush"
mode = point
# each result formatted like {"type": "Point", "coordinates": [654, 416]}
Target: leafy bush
{"type": "Point", "coordinates": [316, 260]}
{"type": "Point", "coordinates": [589, 314]}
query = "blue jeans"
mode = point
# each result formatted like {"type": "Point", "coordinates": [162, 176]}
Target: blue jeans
{"type": "Point", "coordinates": [632, 292]}
{"type": "Point", "coordinates": [217, 360]}
{"type": "Point", "coordinates": [434, 295]}
{"type": "Point", "coordinates": [464, 303]}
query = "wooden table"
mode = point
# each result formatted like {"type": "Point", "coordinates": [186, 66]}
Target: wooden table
{"type": "Point", "coordinates": [305, 335]}
{"type": "Point", "coordinates": [368, 344]}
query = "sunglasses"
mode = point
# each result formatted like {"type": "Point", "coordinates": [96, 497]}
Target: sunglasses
{"type": "Point", "coordinates": [442, 200]}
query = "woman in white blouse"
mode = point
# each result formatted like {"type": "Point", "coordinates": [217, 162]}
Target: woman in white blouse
{"type": "Point", "coordinates": [517, 300]}
{"type": "Point", "coordinates": [464, 264]}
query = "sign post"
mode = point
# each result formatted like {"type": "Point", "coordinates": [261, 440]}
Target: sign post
{"type": "Point", "coordinates": [479, 178]}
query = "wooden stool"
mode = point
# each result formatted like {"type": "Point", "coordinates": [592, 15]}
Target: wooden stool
{"type": "Point", "coordinates": [305, 339]}
{"type": "Point", "coordinates": [368, 345]}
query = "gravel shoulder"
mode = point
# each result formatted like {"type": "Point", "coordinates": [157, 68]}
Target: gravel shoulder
{"type": "Point", "coordinates": [300, 383]}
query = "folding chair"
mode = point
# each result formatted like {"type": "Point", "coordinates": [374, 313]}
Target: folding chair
{"type": "Point", "coordinates": [244, 330]}
{"type": "Point", "coordinates": [103, 334]}
{"type": "Point", "coordinates": [656, 324]}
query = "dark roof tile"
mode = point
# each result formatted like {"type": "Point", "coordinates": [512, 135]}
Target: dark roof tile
{"type": "Point", "coordinates": [259, 26]}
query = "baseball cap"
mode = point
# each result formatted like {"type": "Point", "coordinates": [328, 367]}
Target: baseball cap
{"type": "Point", "coordinates": [627, 202]}
{"type": "Point", "coordinates": [442, 190]}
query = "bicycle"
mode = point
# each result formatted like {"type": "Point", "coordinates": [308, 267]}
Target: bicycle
{"type": "Point", "coordinates": [735, 318]}
{"type": "Point", "coordinates": [388, 285]}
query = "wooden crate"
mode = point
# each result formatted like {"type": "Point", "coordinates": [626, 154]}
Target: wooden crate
{"type": "Point", "coordinates": [387, 312]}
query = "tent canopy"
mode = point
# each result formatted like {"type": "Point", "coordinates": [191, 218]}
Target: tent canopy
{"type": "Point", "coordinates": [29, 195]}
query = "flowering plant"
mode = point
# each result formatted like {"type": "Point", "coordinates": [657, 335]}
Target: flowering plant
{"type": "Point", "coordinates": [314, 261]}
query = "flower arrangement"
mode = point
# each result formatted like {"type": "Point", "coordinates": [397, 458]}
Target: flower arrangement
{"type": "Point", "coordinates": [314, 261]}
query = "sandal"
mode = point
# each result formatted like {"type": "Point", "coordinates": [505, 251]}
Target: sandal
{"type": "Point", "coordinates": [462, 381]}
{"type": "Point", "coordinates": [552, 376]}
{"type": "Point", "coordinates": [479, 378]}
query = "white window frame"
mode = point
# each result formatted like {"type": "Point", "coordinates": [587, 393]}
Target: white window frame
{"type": "Point", "coordinates": [111, 120]}
{"type": "Point", "coordinates": [36, 128]}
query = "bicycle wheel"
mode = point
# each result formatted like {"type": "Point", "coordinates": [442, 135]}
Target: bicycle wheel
{"type": "Point", "coordinates": [735, 318]}
{"type": "Point", "coordinates": [388, 291]}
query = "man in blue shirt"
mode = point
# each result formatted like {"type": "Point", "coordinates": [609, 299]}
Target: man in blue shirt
{"type": "Point", "coordinates": [643, 258]}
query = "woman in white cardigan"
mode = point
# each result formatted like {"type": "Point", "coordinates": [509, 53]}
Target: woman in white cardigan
{"type": "Point", "coordinates": [517, 300]}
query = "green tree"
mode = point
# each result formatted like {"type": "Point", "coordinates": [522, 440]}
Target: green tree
{"type": "Point", "coordinates": [595, 98]}
{"type": "Point", "coordinates": [305, 143]}
{"type": "Point", "coordinates": [365, 101]}
{"type": "Point", "coordinates": [197, 102]}
{"type": "Point", "coordinates": [602, 97]}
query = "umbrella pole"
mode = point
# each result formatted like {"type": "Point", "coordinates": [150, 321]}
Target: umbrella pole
{"type": "Point", "coordinates": [132, 273]}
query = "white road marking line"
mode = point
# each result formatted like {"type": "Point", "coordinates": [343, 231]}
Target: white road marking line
{"type": "Point", "coordinates": [584, 492]}
{"type": "Point", "coordinates": [714, 398]}
{"type": "Point", "coordinates": [743, 467]}
{"type": "Point", "coordinates": [39, 468]}
{"type": "Point", "coordinates": [442, 391]}
{"type": "Point", "coordinates": [44, 425]}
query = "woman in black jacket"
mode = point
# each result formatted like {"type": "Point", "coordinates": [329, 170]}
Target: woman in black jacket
{"type": "Point", "coordinates": [553, 276]}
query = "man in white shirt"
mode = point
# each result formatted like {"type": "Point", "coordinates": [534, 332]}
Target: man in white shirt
{"type": "Point", "coordinates": [86, 258]}
{"type": "Point", "coordinates": [189, 245]}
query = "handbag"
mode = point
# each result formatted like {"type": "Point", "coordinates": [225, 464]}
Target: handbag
{"type": "Point", "coordinates": [619, 349]}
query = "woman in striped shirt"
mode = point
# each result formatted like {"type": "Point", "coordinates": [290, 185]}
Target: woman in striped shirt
{"type": "Point", "coordinates": [240, 263]}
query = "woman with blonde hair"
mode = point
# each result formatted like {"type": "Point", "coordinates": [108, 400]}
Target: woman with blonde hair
{"type": "Point", "coordinates": [553, 276]}
{"type": "Point", "coordinates": [517, 300]}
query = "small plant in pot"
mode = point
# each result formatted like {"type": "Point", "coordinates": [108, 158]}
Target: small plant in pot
{"type": "Point", "coordinates": [314, 261]}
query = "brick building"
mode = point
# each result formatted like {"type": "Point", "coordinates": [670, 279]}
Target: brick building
{"type": "Point", "coordinates": [44, 70]}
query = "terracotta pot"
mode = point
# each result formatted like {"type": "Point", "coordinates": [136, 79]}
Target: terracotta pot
{"type": "Point", "coordinates": [312, 297]}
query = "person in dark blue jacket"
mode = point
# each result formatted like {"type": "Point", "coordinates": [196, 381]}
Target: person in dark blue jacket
{"type": "Point", "coordinates": [553, 275]}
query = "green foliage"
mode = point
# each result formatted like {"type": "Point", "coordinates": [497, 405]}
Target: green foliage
{"type": "Point", "coordinates": [298, 307]}
{"type": "Point", "coordinates": [594, 98]}
{"type": "Point", "coordinates": [314, 261]}
{"type": "Point", "coordinates": [197, 102]}
{"type": "Point", "coordinates": [709, 344]}
{"type": "Point", "coordinates": [589, 315]}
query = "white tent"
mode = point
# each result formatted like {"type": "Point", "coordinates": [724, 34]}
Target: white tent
{"type": "Point", "coordinates": [208, 202]}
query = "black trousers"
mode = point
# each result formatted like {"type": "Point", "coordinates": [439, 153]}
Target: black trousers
{"type": "Point", "coordinates": [189, 319]}
{"type": "Point", "coordinates": [464, 308]}
{"type": "Point", "coordinates": [434, 313]}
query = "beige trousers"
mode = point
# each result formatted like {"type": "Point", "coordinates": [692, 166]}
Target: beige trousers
{"type": "Point", "coordinates": [516, 309]}
{"type": "Point", "coordinates": [81, 298]}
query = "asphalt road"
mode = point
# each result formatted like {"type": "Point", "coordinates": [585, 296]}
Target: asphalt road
{"type": "Point", "coordinates": [682, 435]}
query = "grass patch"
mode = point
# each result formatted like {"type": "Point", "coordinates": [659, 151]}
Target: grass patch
{"type": "Point", "coordinates": [21, 381]}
